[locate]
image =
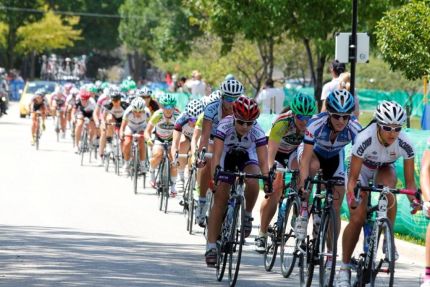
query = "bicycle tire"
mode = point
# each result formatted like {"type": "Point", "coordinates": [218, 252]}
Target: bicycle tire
{"type": "Point", "coordinates": [288, 259]}
{"type": "Point", "coordinates": [190, 201]}
{"type": "Point", "coordinates": [383, 262]}
{"type": "Point", "coordinates": [327, 228]}
{"type": "Point", "coordinates": [57, 127]}
{"type": "Point", "coordinates": [135, 169]}
{"type": "Point", "coordinates": [107, 161]}
{"type": "Point", "coordinates": [272, 245]}
{"type": "Point", "coordinates": [37, 135]}
{"type": "Point", "coordinates": [221, 260]}
{"type": "Point", "coordinates": [83, 145]}
{"type": "Point", "coordinates": [237, 239]}
{"type": "Point", "coordinates": [166, 184]}
{"type": "Point", "coordinates": [160, 188]}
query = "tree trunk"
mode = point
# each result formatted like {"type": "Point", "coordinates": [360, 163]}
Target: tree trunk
{"type": "Point", "coordinates": [310, 61]}
{"type": "Point", "coordinates": [319, 79]}
{"type": "Point", "coordinates": [130, 64]}
{"type": "Point", "coordinates": [32, 64]}
{"type": "Point", "coordinates": [137, 66]}
{"type": "Point", "coordinates": [11, 42]}
{"type": "Point", "coordinates": [271, 58]}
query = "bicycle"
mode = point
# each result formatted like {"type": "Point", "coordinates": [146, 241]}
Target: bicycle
{"type": "Point", "coordinates": [134, 172]}
{"type": "Point", "coordinates": [316, 251]}
{"type": "Point", "coordinates": [231, 240]}
{"type": "Point", "coordinates": [38, 129]}
{"type": "Point", "coordinates": [85, 141]}
{"type": "Point", "coordinates": [283, 229]}
{"type": "Point", "coordinates": [114, 152]}
{"type": "Point", "coordinates": [163, 177]}
{"type": "Point", "coordinates": [379, 260]}
{"type": "Point", "coordinates": [58, 122]}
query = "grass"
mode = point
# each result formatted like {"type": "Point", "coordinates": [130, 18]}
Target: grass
{"type": "Point", "coordinates": [367, 116]}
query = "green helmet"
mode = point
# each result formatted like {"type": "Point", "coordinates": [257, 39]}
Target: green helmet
{"type": "Point", "coordinates": [92, 89]}
{"type": "Point", "coordinates": [131, 85]}
{"type": "Point", "coordinates": [167, 100]}
{"type": "Point", "coordinates": [124, 87]}
{"type": "Point", "coordinates": [105, 85]}
{"type": "Point", "coordinates": [303, 104]}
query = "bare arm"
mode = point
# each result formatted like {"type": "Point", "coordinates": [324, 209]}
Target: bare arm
{"type": "Point", "coordinates": [148, 131]}
{"type": "Point", "coordinates": [196, 135]}
{"type": "Point", "coordinates": [354, 172]}
{"type": "Point", "coordinates": [262, 159]}
{"type": "Point", "coordinates": [305, 162]}
{"type": "Point", "coordinates": [216, 157]}
{"type": "Point", "coordinates": [206, 132]}
{"type": "Point", "coordinates": [175, 142]}
{"type": "Point", "coordinates": [272, 150]}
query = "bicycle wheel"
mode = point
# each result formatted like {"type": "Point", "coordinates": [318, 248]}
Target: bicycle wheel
{"type": "Point", "coordinates": [57, 127]}
{"type": "Point", "coordinates": [222, 254]}
{"type": "Point", "coordinates": [327, 250]}
{"type": "Point", "coordinates": [383, 263]}
{"type": "Point", "coordinates": [160, 187]}
{"type": "Point", "coordinates": [107, 161]}
{"type": "Point", "coordinates": [236, 242]}
{"type": "Point", "coordinates": [84, 143]}
{"type": "Point", "coordinates": [191, 202]}
{"type": "Point", "coordinates": [135, 169]}
{"type": "Point", "coordinates": [166, 184]}
{"type": "Point", "coordinates": [37, 137]}
{"type": "Point", "coordinates": [272, 244]}
{"type": "Point", "coordinates": [288, 249]}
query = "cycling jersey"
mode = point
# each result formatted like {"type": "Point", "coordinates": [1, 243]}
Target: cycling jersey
{"type": "Point", "coordinates": [71, 100]}
{"type": "Point", "coordinates": [285, 133]}
{"type": "Point", "coordinates": [164, 126]}
{"type": "Point", "coordinates": [318, 132]}
{"type": "Point", "coordinates": [60, 99]}
{"type": "Point", "coordinates": [182, 125]}
{"type": "Point", "coordinates": [87, 110]}
{"type": "Point", "coordinates": [117, 112]}
{"type": "Point", "coordinates": [374, 154]}
{"type": "Point", "coordinates": [135, 124]}
{"type": "Point", "coordinates": [248, 143]}
{"type": "Point", "coordinates": [213, 113]}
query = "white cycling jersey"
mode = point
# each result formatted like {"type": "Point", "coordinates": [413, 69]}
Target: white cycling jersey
{"type": "Point", "coordinates": [249, 142]}
{"type": "Point", "coordinates": [374, 154]}
{"type": "Point", "coordinates": [133, 122]}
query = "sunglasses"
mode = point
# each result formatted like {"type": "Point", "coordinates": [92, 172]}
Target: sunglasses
{"type": "Point", "coordinates": [116, 100]}
{"type": "Point", "coordinates": [303, 118]}
{"type": "Point", "coordinates": [192, 119]}
{"type": "Point", "coordinates": [339, 116]}
{"type": "Point", "coordinates": [242, 123]}
{"type": "Point", "coordinates": [391, 129]}
{"type": "Point", "coordinates": [229, 99]}
{"type": "Point", "coordinates": [146, 97]}
{"type": "Point", "coordinates": [168, 107]}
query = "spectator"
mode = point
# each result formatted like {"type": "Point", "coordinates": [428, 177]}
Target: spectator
{"type": "Point", "coordinates": [196, 85]}
{"type": "Point", "coordinates": [336, 68]}
{"type": "Point", "coordinates": [345, 84]}
{"type": "Point", "coordinates": [271, 98]}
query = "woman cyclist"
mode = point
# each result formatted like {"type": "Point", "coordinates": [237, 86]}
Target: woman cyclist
{"type": "Point", "coordinates": [240, 143]}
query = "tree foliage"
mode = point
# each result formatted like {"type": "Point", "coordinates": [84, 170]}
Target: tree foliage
{"type": "Point", "coordinates": [404, 39]}
{"type": "Point", "coordinates": [50, 33]}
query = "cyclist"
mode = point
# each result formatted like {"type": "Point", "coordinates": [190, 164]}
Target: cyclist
{"type": "Point", "coordinates": [240, 143]}
{"type": "Point", "coordinates": [70, 103]}
{"type": "Point", "coordinates": [134, 121]}
{"type": "Point", "coordinates": [285, 136]}
{"type": "Point", "coordinates": [163, 121]}
{"type": "Point", "coordinates": [184, 129]}
{"type": "Point", "coordinates": [376, 149]}
{"type": "Point", "coordinates": [98, 114]}
{"type": "Point", "coordinates": [425, 188]}
{"type": "Point", "coordinates": [58, 101]}
{"type": "Point", "coordinates": [213, 113]}
{"type": "Point", "coordinates": [37, 103]}
{"type": "Point", "coordinates": [151, 104]}
{"type": "Point", "coordinates": [84, 108]}
{"type": "Point", "coordinates": [326, 136]}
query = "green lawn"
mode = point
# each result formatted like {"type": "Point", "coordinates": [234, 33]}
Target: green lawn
{"type": "Point", "coordinates": [366, 117]}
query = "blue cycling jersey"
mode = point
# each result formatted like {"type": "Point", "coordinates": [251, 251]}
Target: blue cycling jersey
{"type": "Point", "coordinates": [213, 113]}
{"type": "Point", "coordinates": [318, 132]}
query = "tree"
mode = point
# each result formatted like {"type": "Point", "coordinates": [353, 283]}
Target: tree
{"type": "Point", "coordinates": [48, 34]}
{"type": "Point", "coordinates": [14, 20]}
{"type": "Point", "coordinates": [404, 40]}
{"type": "Point", "coordinates": [259, 21]}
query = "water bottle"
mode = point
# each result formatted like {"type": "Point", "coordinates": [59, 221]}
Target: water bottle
{"type": "Point", "coordinates": [230, 209]}
{"type": "Point", "coordinates": [304, 209]}
{"type": "Point", "coordinates": [367, 230]}
{"type": "Point", "coordinates": [317, 223]}
{"type": "Point", "coordinates": [282, 210]}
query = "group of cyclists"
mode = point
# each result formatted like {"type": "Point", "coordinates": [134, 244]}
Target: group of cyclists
{"type": "Point", "coordinates": [225, 123]}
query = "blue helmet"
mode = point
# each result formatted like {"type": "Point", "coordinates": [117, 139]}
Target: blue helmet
{"type": "Point", "coordinates": [340, 101]}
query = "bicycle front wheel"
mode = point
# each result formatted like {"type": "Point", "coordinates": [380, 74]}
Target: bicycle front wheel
{"type": "Point", "coordinates": [135, 169]}
{"type": "Point", "coordinates": [327, 250]}
{"type": "Point", "coordinates": [190, 202]}
{"type": "Point", "coordinates": [384, 256]}
{"type": "Point", "coordinates": [237, 238]}
{"type": "Point", "coordinates": [288, 250]}
{"type": "Point", "coordinates": [166, 184]}
{"type": "Point", "coordinates": [160, 182]}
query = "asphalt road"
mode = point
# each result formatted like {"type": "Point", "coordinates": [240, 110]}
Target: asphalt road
{"type": "Point", "coordinates": [62, 224]}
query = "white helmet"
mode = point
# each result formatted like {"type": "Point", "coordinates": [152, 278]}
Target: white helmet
{"type": "Point", "coordinates": [214, 96]}
{"type": "Point", "coordinates": [232, 88]}
{"type": "Point", "coordinates": [390, 113]}
{"type": "Point", "coordinates": [138, 105]}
